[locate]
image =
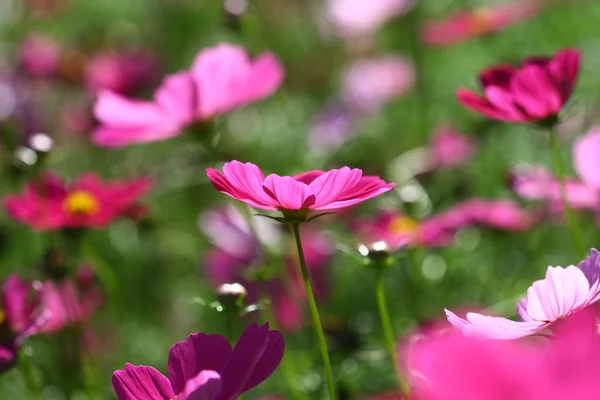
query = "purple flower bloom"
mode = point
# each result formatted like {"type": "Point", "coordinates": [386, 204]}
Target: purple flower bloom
{"type": "Point", "coordinates": [563, 292]}
{"type": "Point", "coordinates": [205, 367]}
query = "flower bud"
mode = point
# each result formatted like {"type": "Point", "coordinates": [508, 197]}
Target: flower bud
{"type": "Point", "coordinates": [231, 296]}
{"type": "Point", "coordinates": [376, 251]}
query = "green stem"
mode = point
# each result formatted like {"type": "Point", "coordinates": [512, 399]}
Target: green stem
{"type": "Point", "coordinates": [418, 55]}
{"type": "Point", "coordinates": [105, 273]}
{"type": "Point", "coordinates": [314, 312]}
{"type": "Point", "coordinates": [30, 378]}
{"type": "Point", "coordinates": [559, 167]}
{"type": "Point", "coordinates": [388, 331]}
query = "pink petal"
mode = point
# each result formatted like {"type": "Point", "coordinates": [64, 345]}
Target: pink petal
{"type": "Point", "coordinates": [266, 75]}
{"type": "Point", "coordinates": [177, 98]}
{"type": "Point", "coordinates": [366, 188]}
{"type": "Point", "coordinates": [197, 353]}
{"type": "Point", "coordinates": [308, 177]}
{"type": "Point", "coordinates": [499, 76]}
{"type": "Point", "coordinates": [504, 101]}
{"type": "Point", "coordinates": [332, 184]}
{"type": "Point", "coordinates": [563, 69]}
{"type": "Point", "coordinates": [479, 104]}
{"type": "Point", "coordinates": [536, 93]}
{"type": "Point", "coordinates": [563, 291]}
{"type": "Point", "coordinates": [247, 178]}
{"type": "Point", "coordinates": [135, 383]}
{"type": "Point", "coordinates": [488, 327]}
{"type": "Point", "coordinates": [115, 110]}
{"type": "Point", "coordinates": [288, 192]}
{"type": "Point", "coordinates": [205, 386]}
{"type": "Point", "coordinates": [586, 154]}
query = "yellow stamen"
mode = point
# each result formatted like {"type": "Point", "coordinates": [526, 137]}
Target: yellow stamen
{"type": "Point", "coordinates": [81, 202]}
{"type": "Point", "coordinates": [404, 225]}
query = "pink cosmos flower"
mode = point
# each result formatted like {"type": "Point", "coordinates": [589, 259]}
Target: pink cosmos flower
{"type": "Point", "coordinates": [564, 291]}
{"type": "Point", "coordinates": [237, 255]}
{"type": "Point", "coordinates": [536, 92]}
{"type": "Point", "coordinates": [449, 149]}
{"type": "Point", "coordinates": [206, 367]}
{"type": "Point", "coordinates": [298, 195]}
{"type": "Point", "coordinates": [398, 230]}
{"type": "Point", "coordinates": [20, 317]}
{"type": "Point", "coordinates": [120, 72]}
{"type": "Point", "coordinates": [466, 25]}
{"type": "Point", "coordinates": [49, 203]}
{"type": "Point", "coordinates": [357, 17]}
{"type": "Point", "coordinates": [40, 56]}
{"type": "Point", "coordinates": [446, 365]}
{"type": "Point", "coordinates": [221, 79]}
{"type": "Point", "coordinates": [368, 84]}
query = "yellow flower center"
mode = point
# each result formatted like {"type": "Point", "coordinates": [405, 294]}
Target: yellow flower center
{"type": "Point", "coordinates": [404, 225]}
{"type": "Point", "coordinates": [482, 21]}
{"type": "Point", "coordinates": [81, 202]}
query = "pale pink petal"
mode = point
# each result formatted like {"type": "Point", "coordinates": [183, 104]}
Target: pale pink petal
{"type": "Point", "coordinates": [487, 327]}
{"type": "Point", "coordinates": [288, 192]}
{"type": "Point", "coordinates": [205, 386]}
{"type": "Point", "coordinates": [266, 75]}
{"type": "Point", "coordinates": [177, 98]}
{"type": "Point", "coordinates": [115, 110]}
{"type": "Point", "coordinates": [586, 154]}
{"type": "Point", "coordinates": [332, 184]}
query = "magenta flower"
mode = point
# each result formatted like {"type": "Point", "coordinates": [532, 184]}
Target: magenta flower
{"type": "Point", "coordinates": [447, 365]}
{"type": "Point", "coordinates": [20, 317]}
{"type": "Point", "coordinates": [563, 292]}
{"type": "Point", "coordinates": [299, 195]}
{"type": "Point", "coordinates": [50, 204]}
{"type": "Point", "coordinates": [536, 92]}
{"type": "Point", "coordinates": [206, 367]}
{"type": "Point", "coordinates": [221, 79]}
{"type": "Point", "coordinates": [40, 56]}
{"type": "Point", "coordinates": [236, 257]}
{"type": "Point", "coordinates": [449, 149]}
{"type": "Point", "coordinates": [368, 84]}
{"type": "Point", "coordinates": [466, 25]}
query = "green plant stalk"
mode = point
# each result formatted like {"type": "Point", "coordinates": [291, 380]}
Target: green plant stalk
{"type": "Point", "coordinates": [314, 312]}
{"type": "Point", "coordinates": [388, 331]}
{"type": "Point", "coordinates": [559, 168]}
{"type": "Point", "coordinates": [30, 378]}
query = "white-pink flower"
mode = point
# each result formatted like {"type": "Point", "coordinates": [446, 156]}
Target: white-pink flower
{"type": "Point", "coordinates": [563, 292]}
{"type": "Point", "coordinates": [360, 17]}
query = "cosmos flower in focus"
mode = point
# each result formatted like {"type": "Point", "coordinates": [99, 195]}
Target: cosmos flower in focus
{"type": "Point", "coordinates": [533, 93]}
{"type": "Point", "coordinates": [237, 257]}
{"type": "Point", "coordinates": [563, 292]}
{"type": "Point", "coordinates": [222, 78]}
{"type": "Point", "coordinates": [49, 203]}
{"type": "Point", "coordinates": [465, 25]}
{"type": "Point", "coordinates": [369, 83]}
{"type": "Point", "coordinates": [206, 367]}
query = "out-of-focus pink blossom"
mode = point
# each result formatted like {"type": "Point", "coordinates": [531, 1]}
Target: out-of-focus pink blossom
{"type": "Point", "coordinates": [299, 195]}
{"type": "Point", "coordinates": [40, 56]}
{"type": "Point", "coordinates": [369, 83]}
{"type": "Point", "coordinates": [563, 292]}
{"type": "Point", "coordinates": [449, 148]}
{"type": "Point", "coordinates": [358, 17]}
{"type": "Point", "coordinates": [446, 365]}
{"type": "Point", "coordinates": [331, 128]}
{"type": "Point", "coordinates": [533, 93]}
{"type": "Point", "coordinates": [465, 25]}
{"type": "Point", "coordinates": [237, 255]}
{"type": "Point", "coordinates": [221, 79]}
{"type": "Point", "coordinates": [205, 367]}
{"type": "Point", "coordinates": [49, 204]}
{"type": "Point", "coordinates": [77, 118]}
{"type": "Point", "coordinates": [120, 72]}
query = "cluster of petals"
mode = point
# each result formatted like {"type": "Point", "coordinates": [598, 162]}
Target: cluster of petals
{"type": "Point", "coordinates": [236, 255]}
{"type": "Point", "coordinates": [221, 79]}
{"type": "Point", "coordinates": [447, 365]}
{"type": "Point", "coordinates": [48, 203]}
{"type": "Point", "coordinates": [537, 183]}
{"type": "Point", "coordinates": [533, 93]}
{"type": "Point", "coordinates": [465, 25]}
{"type": "Point", "coordinates": [310, 191]}
{"type": "Point", "coordinates": [206, 367]}
{"type": "Point", "coordinates": [398, 230]}
{"type": "Point", "coordinates": [563, 291]}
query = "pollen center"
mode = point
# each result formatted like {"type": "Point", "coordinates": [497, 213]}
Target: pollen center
{"type": "Point", "coordinates": [404, 225]}
{"type": "Point", "coordinates": [81, 202]}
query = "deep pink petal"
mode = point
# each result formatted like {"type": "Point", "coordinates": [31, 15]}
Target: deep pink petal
{"type": "Point", "coordinates": [308, 177]}
{"type": "Point", "coordinates": [204, 386]}
{"type": "Point", "coordinates": [500, 76]}
{"type": "Point", "coordinates": [333, 184]}
{"type": "Point", "coordinates": [479, 104]}
{"type": "Point", "coordinates": [534, 90]}
{"type": "Point", "coordinates": [197, 353]}
{"type": "Point", "coordinates": [586, 153]}
{"type": "Point", "coordinates": [564, 69]}
{"type": "Point", "coordinates": [366, 188]}
{"type": "Point", "coordinates": [288, 192]}
{"type": "Point", "coordinates": [141, 383]}
{"type": "Point", "coordinates": [239, 182]}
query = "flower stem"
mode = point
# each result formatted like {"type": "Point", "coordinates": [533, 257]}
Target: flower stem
{"type": "Point", "coordinates": [30, 378]}
{"type": "Point", "coordinates": [314, 312]}
{"type": "Point", "coordinates": [559, 167]}
{"type": "Point", "coordinates": [388, 332]}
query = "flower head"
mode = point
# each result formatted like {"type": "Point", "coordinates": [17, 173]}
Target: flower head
{"type": "Point", "coordinates": [40, 56]}
{"type": "Point", "coordinates": [221, 79]}
{"type": "Point", "coordinates": [465, 25]}
{"type": "Point", "coordinates": [296, 196]}
{"type": "Point", "coordinates": [449, 148]}
{"type": "Point", "coordinates": [563, 292]}
{"type": "Point", "coordinates": [206, 367]}
{"type": "Point", "coordinates": [49, 203]}
{"type": "Point", "coordinates": [535, 92]}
